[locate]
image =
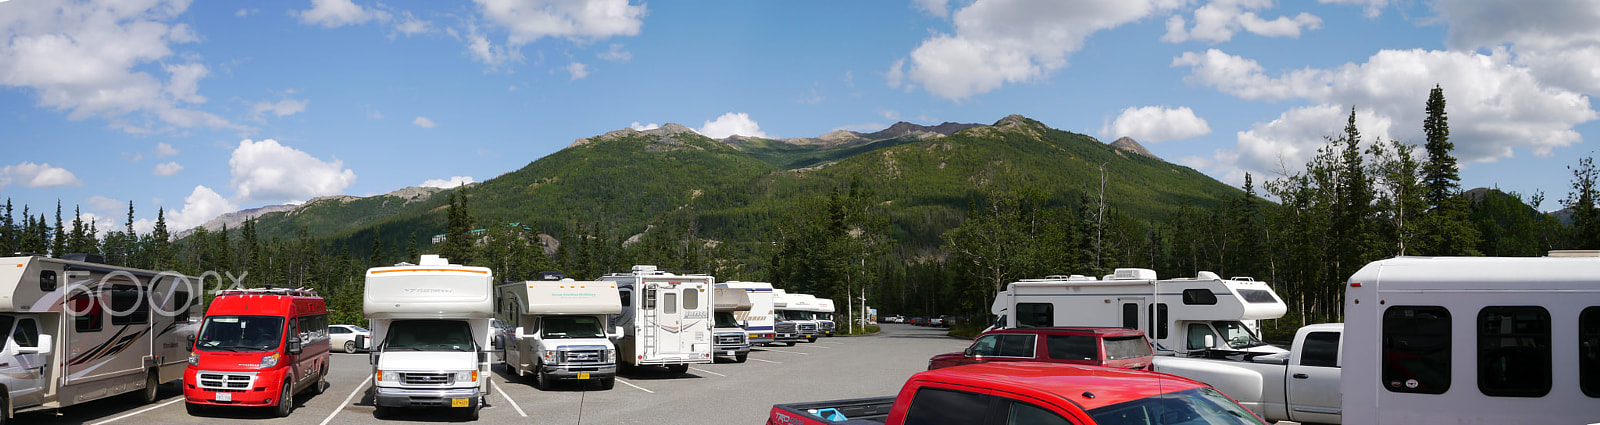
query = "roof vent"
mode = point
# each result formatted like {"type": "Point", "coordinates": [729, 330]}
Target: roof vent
{"type": "Point", "coordinates": [433, 260]}
{"type": "Point", "coordinates": [1133, 274]}
{"type": "Point", "coordinates": [644, 269]}
{"type": "Point", "coordinates": [1205, 275]}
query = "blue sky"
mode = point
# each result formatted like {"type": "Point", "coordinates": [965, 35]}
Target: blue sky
{"type": "Point", "coordinates": [208, 107]}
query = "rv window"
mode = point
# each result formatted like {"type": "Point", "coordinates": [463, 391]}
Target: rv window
{"type": "Point", "coordinates": [671, 300]}
{"type": "Point", "coordinates": [1416, 349]}
{"type": "Point", "coordinates": [1130, 315]}
{"type": "Point", "coordinates": [934, 406]}
{"type": "Point", "coordinates": [627, 296]}
{"type": "Point", "coordinates": [691, 299]}
{"type": "Point", "coordinates": [1158, 320]}
{"type": "Point", "coordinates": [27, 333]}
{"type": "Point", "coordinates": [47, 280]}
{"type": "Point", "coordinates": [1321, 349]}
{"type": "Point", "coordinates": [1589, 351]}
{"type": "Point", "coordinates": [1199, 297]}
{"type": "Point", "coordinates": [1197, 336]}
{"type": "Point", "coordinates": [181, 302]}
{"type": "Point", "coordinates": [1071, 347]}
{"type": "Point", "coordinates": [1035, 314]}
{"type": "Point", "coordinates": [1514, 351]}
{"type": "Point", "coordinates": [1257, 296]}
{"type": "Point", "coordinates": [127, 307]}
{"type": "Point", "coordinates": [88, 313]}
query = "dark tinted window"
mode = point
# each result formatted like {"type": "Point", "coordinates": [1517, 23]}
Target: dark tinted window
{"type": "Point", "coordinates": [1416, 349]}
{"type": "Point", "coordinates": [1015, 346]}
{"type": "Point", "coordinates": [1071, 347]}
{"type": "Point", "coordinates": [1321, 349]}
{"type": "Point", "coordinates": [47, 280]}
{"type": "Point", "coordinates": [1199, 297]}
{"type": "Point", "coordinates": [934, 406]}
{"type": "Point", "coordinates": [1126, 347]}
{"type": "Point", "coordinates": [1035, 314]}
{"type": "Point", "coordinates": [1589, 351]}
{"type": "Point", "coordinates": [1158, 321]}
{"type": "Point", "coordinates": [27, 333]}
{"type": "Point", "coordinates": [182, 303]}
{"type": "Point", "coordinates": [1130, 315]}
{"type": "Point", "coordinates": [129, 307]}
{"type": "Point", "coordinates": [1257, 296]}
{"type": "Point", "coordinates": [1514, 351]}
{"type": "Point", "coordinates": [1028, 414]}
{"type": "Point", "coordinates": [627, 297]}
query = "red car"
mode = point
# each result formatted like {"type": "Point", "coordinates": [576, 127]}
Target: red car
{"type": "Point", "coordinates": [1111, 347]}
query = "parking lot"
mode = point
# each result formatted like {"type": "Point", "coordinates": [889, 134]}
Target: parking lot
{"type": "Point", "coordinates": [720, 393]}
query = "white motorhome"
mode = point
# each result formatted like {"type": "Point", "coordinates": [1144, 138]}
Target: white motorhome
{"type": "Point", "coordinates": [796, 311]}
{"type": "Point", "coordinates": [665, 319]}
{"type": "Point", "coordinates": [758, 320]}
{"type": "Point", "coordinates": [77, 331]}
{"type": "Point", "coordinates": [1473, 340]}
{"type": "Point", "coordinates": [558, 330]}
{"type": "Point", "coordinates": [1177, 314]}
{"type": "Point", "coordinates": [729, 330]}
{"type": "Point", "coordinates": [824, 317]}
{"type": "Point", "coordinates": [430, 327]}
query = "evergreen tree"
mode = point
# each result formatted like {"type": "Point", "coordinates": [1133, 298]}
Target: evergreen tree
{"type": "Point", "coordinates": [1581, 202]}
{"type": "Point", "coordinates": [159, 243]}
{"type": "Point", "coordinates": [58, 246]}
{"type": "Point", "coordinates": [10, 233]}
{"type": "Point", "coordinates": [1439, 174]}
{"type": "Point", "coordinates": [1403, 203]}
{"type": "Point", "coordinates": [376, 259]}
{"type": "Point", "coordinates": [458, 243]}
{"type": "Point", "coordinates": [1353, 207]}
{"type": "Point", "coordinates": [412, 251]}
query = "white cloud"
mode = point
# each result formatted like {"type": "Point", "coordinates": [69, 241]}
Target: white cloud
{"type": "Point", "coordinates": [337, 13]}
{"type": "Point", "coordinates": [937, 8]}
{"type": "Point", "coordinates": [280, 108]}
{"type": "Point", "coordinates": [164, 149]}
{"type": "Point", "coordinates": [37, 176]}
{"type": "Point", "coordinates": [82, 58]}
{"type": "Point", "coordinates": [1556, 39]}
{"type": "Point", "coordinates": [104, 204]}
{"type": "Point", "coordinates": [527, 21]}
{"type": "Point", "coordinates": [578, 70]}
{"type": "Point", "coordinates": [616, 54]}
{"type": "Point", "coordinates": [455, 181]}
{"type": "Point", "coordinates": [1155, 124]}
{"type": "Point", "coordinates": [650, 126]}
{"type": "Point", "coordinates": [410, 25]}
{"type": "Point", "coordinates": [167, 169]}
{"type": "Point", "coordinates": [266, 171]}
{"type": "Point", "coordinates": [202, 205]}
{"type": "Point", "coordinates": [1011, 41]}
{"type": "Point", "coordinates": [423, 122]}
{"type": "Point", "coordinates": [730, 124]}
{"type": "Point", "coordinates": [1218, 20]}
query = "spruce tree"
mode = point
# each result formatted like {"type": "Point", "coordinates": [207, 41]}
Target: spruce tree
{"type": "Point", "coordinates": [458, 245]}
{"type": "Point", "coordinates": [10, 234]}
{"type": "Point", "coordinates": [1439, 174]}
{"type": "Point", "coordinates": [58, 246]}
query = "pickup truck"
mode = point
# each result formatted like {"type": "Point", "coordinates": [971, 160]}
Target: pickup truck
{"type": "Point", "coordinates": [1029, 393]}
{"type": "Point", "coordinates": [1114, 347]}
{"type": "Point", "coordinates": [1301, 385]}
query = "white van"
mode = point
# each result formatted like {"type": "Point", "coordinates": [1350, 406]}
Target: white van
{"type": "Point", "coordinates": [758, 320]}
{"type": "Point", "coordinates": [77, 331]}
{"type": "Point", "coordinates": [1177, 314]}
{"type": "Point", "coordinates": [430, 334]}
{"type": "Point", "coordinates": [795, 317]}
{"type": "Point", "coordinates": [666, 318]}
{"type": "Point", "coordinates": [558, 330]}
{"type": "Point", "coordinates": [1479, 340]}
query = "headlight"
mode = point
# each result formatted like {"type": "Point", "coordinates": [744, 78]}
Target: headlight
{"type": "Point", "coordinates": [467, 376]}
{"type": "Point", "coordinates": [194, 360]}
{"type": "Point", "coordinates": [388, 377]}
{"type": "Point", "coordinates": [611, 355]}
{"type": "Point", "coordinates": [549, 356]}
{"type": "Point", "coordinates": [269, 361]}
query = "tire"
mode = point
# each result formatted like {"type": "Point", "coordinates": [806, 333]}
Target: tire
{"type": "Point", "coordinates": [194, 409]}
{"type": "Point", "coordinates": [151, 388]}
{"type": "Point", "coordinates": [788, 343]}
{"type": "Point", "coordinates": [322, 382]}
{"type": "Point", "coordinates": [811, 339]}
{"type": "Point", "coordinates": [350, 346]}
{"type": "Point", "coordinates": [678, 368]}
{"type": "Point", "coordinates": [285, 401]}
{"type": "Point", "coordinates": [740, 358]}
{"type": "Point", "coordinates": [608, 383]}
{"type": "Point", "coordinates": [541, 379]}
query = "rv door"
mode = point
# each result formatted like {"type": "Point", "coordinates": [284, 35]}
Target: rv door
{"type": "Point", "coordinates": [1129, 311]}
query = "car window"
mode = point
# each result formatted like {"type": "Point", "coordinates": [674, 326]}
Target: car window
{"type": "Point", "coordinates": [1071, 347]}
{"type": "Point", "coordinates": [1126, 347]}
{"type": "Point", "coordinates": [984, 346]}
{"type": "Point", "coordinates": [934, 406]}
{"type": "Point", "coordinates": [338, 330]}
{"type": "Point", "coordinates": [1027, 414]}
{"type": "Point", "coordinates": [1016, 346]}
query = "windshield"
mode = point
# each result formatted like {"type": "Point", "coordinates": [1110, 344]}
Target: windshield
{"type": "Point", "coordinates": [793, 315]}
{"type": "Point", "coordinates": [725, 319]}
{"type": "Point", "coordinates": [240, 333]}
{"type": "Point", "coordinates": [567, 327]}
{"type": "Point", "coordinates": [1237, 335]}
{"type": "Point", "coordinates": [429, 335]}
{"type": "Point", "coordinates": [1199, 406]}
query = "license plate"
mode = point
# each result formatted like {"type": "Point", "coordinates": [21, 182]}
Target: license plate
{"type": "Point", "coordinates": [224, 396]}
{"type": "Point", "coordinates": [808, 335]}
{"type": "Point", "coordinates": [583, 375]}
{"type": "Point", "coordinates": [730, 353]}
{"type": "Point", "coordinates": [458, 402]}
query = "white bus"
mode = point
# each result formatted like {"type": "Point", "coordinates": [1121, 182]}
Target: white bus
{"type": "Point", "coordinates": [666, 318]}
{"type": "Point", "coordinates": [1473, 340]}
{"type": "Point", "coordinates": [1177, 314]}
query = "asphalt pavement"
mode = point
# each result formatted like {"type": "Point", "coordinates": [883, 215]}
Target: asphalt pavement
{"type": "Point", "coordinates": [719, 393]}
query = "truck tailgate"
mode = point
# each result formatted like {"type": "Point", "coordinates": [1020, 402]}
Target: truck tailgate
{"type": "Point", "coordinates": [860, 411]}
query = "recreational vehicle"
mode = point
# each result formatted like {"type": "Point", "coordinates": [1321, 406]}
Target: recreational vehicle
{"type": "Point", "coordinates": [79, 331]}
{"type": "Point", "coordinates": [558, 330]}
{"type": "Point", "coordinates": [1177, 314]}
{"type": "Point", "coordinates": [258, 347]}
{"type": "Point", "coordinates": [795, 310]}
{"type": "Point", "coordinates": [1479, 340]}
{"type": "Point", "coordinates": [729, 331]}
{"type": "Point", "coordinates": [430, 329]}
{"type": "Point", "coordinates": [665, 319]}
{"type": "Point", "coordinates": [824, 317]}
{"type": "Point", "coordinates": [758, 320]}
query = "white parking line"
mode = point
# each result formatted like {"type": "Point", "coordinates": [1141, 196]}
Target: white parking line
{"type": "Point", "coordinates": [768, 361]}
{"type": "Point", "coordinates": [635, 386]}
{"type": "Point", "coordinates": [158, 406]}
{"type": "Point", "coordinates": [707, 371]}
{"type": "Point", "coordinates": [508, 398]}
{"type": "Point", "coordinates": [790, 352]}
{"type": "Point", "coordinates": [346, 402]}
{"type": "Point", "coordinates": [820, 346]}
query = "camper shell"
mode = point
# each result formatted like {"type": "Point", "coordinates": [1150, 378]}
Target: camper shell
{"type": "Point", "coordinates": [729, 332]}
{"type": "Point", "coordinates": [258, 347]}
{"type": "Point", "coordinates": [431, 329]}
{"type": "Point", "coordinates": [666, 318]}
{"type": "Point", "coordinates": [558, 330]}
{"type": "Point", "coordinates": [1177, 314]}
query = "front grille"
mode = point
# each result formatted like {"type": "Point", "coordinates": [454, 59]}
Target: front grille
{"type": "Point", "coordinates": [426, 378]}
{"type": "Point", "coordinates": [827, 326]}
{"type": "Point", "coordinates": [808, 327]}
{"type": "Point", "coordinates": [583, 355]}
{"type": "Point", "coordinates": [730, 339]}
{"type": "Point", "coordinates": [783, 328]}
{"type": "Point", "coordinates": [225, 381]}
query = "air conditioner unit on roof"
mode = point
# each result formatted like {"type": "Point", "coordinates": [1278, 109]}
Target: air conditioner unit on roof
{"type": "Point", "coordinates": [1133, 274]}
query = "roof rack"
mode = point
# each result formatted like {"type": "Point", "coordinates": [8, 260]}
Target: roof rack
{"type": "Point", "coordinates": [293, 292]}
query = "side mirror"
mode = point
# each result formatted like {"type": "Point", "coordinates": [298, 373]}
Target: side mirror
{"type": "Point", "coordinates": [294, 345]}
{"type": "Point", "coordinates": [372, 357]}
{"type": "Point", "coordinates": [616, 335]}
{"type": "Point", "coordinates": [967, 352]}
{"type": "Point", "coordinates": [499, 342]}
{"type": "Point", "coordinates": [1210, 341]}
{"type": "Point", "coordinates": [519, 332]}
{"type": "Point", "coordinates": [43, 347]}
{"type": "Point", "coordinates": [190, 347]}
{"type": "Point", "coordinates": [744, 323]}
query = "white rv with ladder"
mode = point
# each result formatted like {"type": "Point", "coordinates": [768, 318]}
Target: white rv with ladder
{"type": "Point", "coordinates": [666, 318]}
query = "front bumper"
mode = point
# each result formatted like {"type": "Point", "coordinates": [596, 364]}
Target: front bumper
{"type": "Point", "coordinates": [730, 350]}
{"type": "Point", "coordinates": [600, 371]}
{"type": "Point", "coordinates": [444, 397]}
{"type": "Point", "coordinates": [222, 388]}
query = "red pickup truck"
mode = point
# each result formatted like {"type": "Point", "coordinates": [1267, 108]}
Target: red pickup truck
{"type": "Point", "coordinates": [1021, 393]}
{"type": "Point", "coordinates": [1113, 347]}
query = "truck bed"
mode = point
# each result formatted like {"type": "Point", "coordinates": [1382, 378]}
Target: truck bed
{"type": "Point", "coordinates": [860, 411]}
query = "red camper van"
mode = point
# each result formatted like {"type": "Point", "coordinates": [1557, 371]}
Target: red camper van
{"type": "Point", "coordinates": [258, 348]}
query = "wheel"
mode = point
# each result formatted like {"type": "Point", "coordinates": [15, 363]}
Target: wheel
{"type": "Point", "coordinates": [322, 382]}
{"type": "Point", "coordinates": [788, 343]}
{"type": "Point", "coordinates": [148, 395]}
{"type": "Point", "coordinates": [285, 401]}
{"type": "Point", "coordinates": [608, 383]}
{"type": "Point", "coordinates": [541, 379]}
{"type": "Point", "coordinates": [678, 368]}
{"type": "Point", "coordinates": [811, 339]}
{"type": "Point", "coordinates": [350, 346]}
{"type": "Point", "coordinates": [740, 358]}
{"type": "Point", "coordinates": [194, 409]}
